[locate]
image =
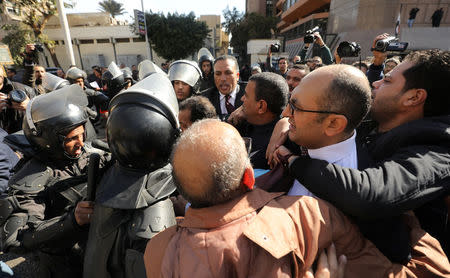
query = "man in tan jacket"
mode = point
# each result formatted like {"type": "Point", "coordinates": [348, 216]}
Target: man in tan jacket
{"type": "Point", "coordinates": [231, 230]}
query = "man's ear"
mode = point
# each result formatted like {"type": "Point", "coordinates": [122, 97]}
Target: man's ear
{"type": "Point", "coordinates": [262, 106]}
{"type": "Point", "coordinates": [414, 97]}
{"type": "Point", "coordinates": [248, 179]}
{"type": "Point", "coordinates": [335, 124]}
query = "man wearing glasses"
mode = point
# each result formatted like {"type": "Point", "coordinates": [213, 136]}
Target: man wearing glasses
{"type": "Point", "coordinates": [323, 121]}
{"type": "Point", "coordinates": [323, 111]}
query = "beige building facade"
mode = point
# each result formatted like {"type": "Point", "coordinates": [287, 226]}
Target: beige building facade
{"type": "Point", "coordinates": [217, 41]}
{"type": "Point", "coordinates": [361, 21]}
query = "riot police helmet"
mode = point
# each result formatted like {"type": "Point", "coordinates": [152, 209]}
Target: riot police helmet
{"type": "Point", "coordinates": [143, 123]}
{"type": "Point", "coordinates": [147, 68]}
{"type": "Point", "coordinates": [114, 80]}
{"type": "Point", "coordinates": [50, 117]}
{"type": "Point", "coordinates": [186, 71]}
{"type": "Point", "coordinates": [75, 73]}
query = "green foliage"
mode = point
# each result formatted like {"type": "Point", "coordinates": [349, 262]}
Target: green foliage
{"type": "Point", "coordinates": [232, 19]}
{"type": "Point", "coordinates": [112, 7]}
{"type": "Point", "coordinates": [36, 14]}
{"type": "Point", "coordinates": [17, 38]}
{"type": "Point", "coordinates": [245, 28]}
{"type": "Point", "coordinates": [175, 36]}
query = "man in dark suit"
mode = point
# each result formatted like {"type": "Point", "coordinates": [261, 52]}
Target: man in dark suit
{"type": "Point", "coordinates": [226, 95]}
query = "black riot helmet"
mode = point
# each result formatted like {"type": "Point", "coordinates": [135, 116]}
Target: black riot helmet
{"type": "Point", "coordinates": [75, 73]}
{"type": "Point", "coordinates": [114, 80]}
{"type": "Point", "coordinates": [143, 123]}
{"type": "Point", "coordinates": [186, 71]}
{"type": "Point", "coordinates": [50, 117]}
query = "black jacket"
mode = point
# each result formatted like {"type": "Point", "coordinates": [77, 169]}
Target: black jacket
{"type": "Point", "coordinates": [214, 97]}
{"type": "Point", "coordinates": [411, 171]}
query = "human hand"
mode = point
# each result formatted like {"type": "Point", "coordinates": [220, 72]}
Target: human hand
{"type": "Point", "coordinates": [379, 57]}
{"type": "Point", "coordinates": [337, 58]}
{"type": "Point", "coordinates": [279, 136]}
{"type": "Point", "coordinates": [29, 48]}
{"type": "Point", "coordinates": [318, 39]}
{"type": "Point", "coordinates": [237, 116]}
{"type": "Point", "coordinates": [328, 265]}
{"type": "Point", "coordinates": [281, 155]}
{"type": "Point", "coordinates": [83, 212]}
{"type": "Point", "coordinates": [3, 101]}
{"type": "Point", "coordinates": [20, 105]}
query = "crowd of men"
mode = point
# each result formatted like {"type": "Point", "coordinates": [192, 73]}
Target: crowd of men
{"type": "Point", "coordinates": [313, 169]}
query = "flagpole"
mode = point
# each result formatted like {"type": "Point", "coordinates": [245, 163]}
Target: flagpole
{"type": "Point", "coordinates": [397, 25]}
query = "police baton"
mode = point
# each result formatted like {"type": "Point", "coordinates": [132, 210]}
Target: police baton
{"type": "Point", "coordinates": [94, 165]}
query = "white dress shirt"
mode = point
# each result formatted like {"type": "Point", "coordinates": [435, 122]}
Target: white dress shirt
{"type": "Point", "coordinates": [232, 100]}
{"type": "Point", "coordinates": [342, 153]}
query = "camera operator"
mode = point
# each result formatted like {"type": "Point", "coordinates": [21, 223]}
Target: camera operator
{"type": "Point", "coordinates": [12, 110]}
{"type": "Point", "coordinates": [376, 69]}
{"type": "Point", "coordinates": [33, 72]}
{"type": "Point", "coordinates": [325, 53]}
{"type": "Point", "coordinates": [282, 62]}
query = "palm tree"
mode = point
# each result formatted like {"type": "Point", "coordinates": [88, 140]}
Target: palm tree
{"type": "Point", "coordinates": [112, 7]}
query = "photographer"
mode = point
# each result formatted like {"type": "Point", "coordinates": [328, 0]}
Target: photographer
{"type": "Point", "coordinates": [12, 110]}
{"type": "Point", "coordinates": [325, 53]}
{"type": "Point", "coordinates": [33, 72]}
{"type": "Point", "coordinates": [282, 62]}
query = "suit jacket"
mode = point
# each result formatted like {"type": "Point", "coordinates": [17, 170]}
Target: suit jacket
{"type": "Point", "coordinates": [214, 97]}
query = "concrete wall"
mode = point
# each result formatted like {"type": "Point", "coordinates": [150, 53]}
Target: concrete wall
{"type": "Point", "coordinates": [256, 6]}
{"type": "Point", "coordinates": [362, 20]}
{"type": "Point", "coordinates": [90, 52]}
{"type": "Point", "coordinates": [426, 37]}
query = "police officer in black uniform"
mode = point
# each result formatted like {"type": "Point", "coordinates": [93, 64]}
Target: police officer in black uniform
{"type": "Point", "coordinates": [132, 199]}
{"type": "Point", "coordinates": [42, 211]}
{"type": "Point", "coordinates": [96, 98]}
{"type": "Point", "coordinates": [113, 80]}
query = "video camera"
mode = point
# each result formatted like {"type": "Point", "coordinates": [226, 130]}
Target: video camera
{"type": "Point", "coordinates": [275, 47]}
{"type": "Point", "coordinates": [16, 96]}
{"type": "Point", "coordinates": [309, 37]}
{"type": "Point", "coordinates": [390, 44]}
{"type": "Point", "coordinates": [348, 49]}
{"type": "Point", "coordinates": [38, 47]}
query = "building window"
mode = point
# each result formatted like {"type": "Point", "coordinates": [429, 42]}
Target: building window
{"type": "Point", "coordinates": [86, 41]}
{"type": "Point", "coordinates": [103, 41]}
{"type": "Point", "coordinates": [119, 40]}
{"type": "Point", "coordinates": [139, 39]}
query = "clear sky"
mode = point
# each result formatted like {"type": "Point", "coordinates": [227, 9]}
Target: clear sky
{"type": "Point", "coordinates": [199, 7]}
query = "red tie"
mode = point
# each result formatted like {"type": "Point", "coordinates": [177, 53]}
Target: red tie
{"type": "Point", "coordinates": [228, 105]}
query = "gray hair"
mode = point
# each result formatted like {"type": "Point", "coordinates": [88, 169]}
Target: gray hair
{"type": "Point", "coordinates": [229, 162]}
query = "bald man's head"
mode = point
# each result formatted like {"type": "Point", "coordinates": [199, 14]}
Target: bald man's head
{"type": "Point", "coordinates": [208, 161]}
{"type": "Point", "coordinates": [344, 89]}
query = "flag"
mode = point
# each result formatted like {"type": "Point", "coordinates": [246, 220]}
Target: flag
{"type": "Point", "coordinates": [397, 24]}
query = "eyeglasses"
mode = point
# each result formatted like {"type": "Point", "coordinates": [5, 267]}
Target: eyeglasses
{"type": "Point", "coordinates": [295, 108]}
